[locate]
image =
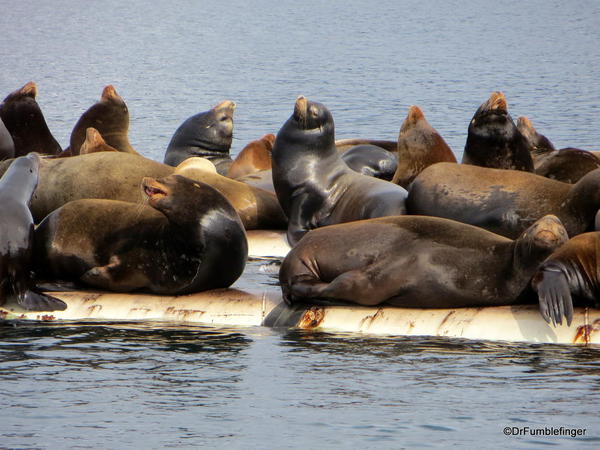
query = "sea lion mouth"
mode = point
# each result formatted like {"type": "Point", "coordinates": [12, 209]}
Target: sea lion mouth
{"type": "Point", "coordinates": [109, 93]}
{"type": "Point", "coordinates": [497, 102]}
{"type": "Point", "coordinates": [30, 89]}
{"type": "Point", "coordinates": [154, 190]}
{"type": "Point", "coordinates": [300, 108]}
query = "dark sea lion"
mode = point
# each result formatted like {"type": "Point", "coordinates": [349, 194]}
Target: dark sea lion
{"type": "Point", "coordinates": [117, 176]}
{"type": "Point", "coordinates": [94, 143]}
{"type": "Point", "coordinates": [573, 270]}
{"type": "Point", "coordinates": [419, 146]}
{"type": "Point", "coordinates": [568, 165]}
{"type": "Point", "coordinates": [343, 145]}
{"type": "Point", "coordinates": [207, 134]}
{"type": "Point", "coordinates": [416, 262]}
{"type": "Point", "coordinates": [7, 145]}
{"type": "Point", "coordinates": [110, 116]}
{"type": "Point", "coordinates": [314, 186]}
{"type": "Point", "coordinates": [254, 157]}
{"type": "Point", "coordinates": [371, 160]}
{"type": "Point", "coordinates": [505, 202]}
{"type": "Point", "coordinates": [16, 237]}
{"type": "Point", "coordinates": [494, 140]}
{"type": "Point", "coordinates": [25, 121]}
{"type": "Point", "coordinates": [189, 239]}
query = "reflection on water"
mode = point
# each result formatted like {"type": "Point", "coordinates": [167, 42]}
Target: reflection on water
{"type": "Point", "coordinates": [189, 386]}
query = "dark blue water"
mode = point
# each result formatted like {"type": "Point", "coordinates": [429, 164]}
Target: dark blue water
{"type": "Point", "coordinates": [117, 386]}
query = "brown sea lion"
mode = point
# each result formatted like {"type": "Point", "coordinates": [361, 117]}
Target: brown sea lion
{"type": "Point", "coordinates": [25, 122]}
{"type": "Point", "coordinates": [314, 186]}
{"type": "Point", "coordinates": [16, 237]}
{"type": "Point", "coordinates": [94, 143]}
{"type": "Point", "coordinates": [117, 176]}
{"type": "Point", "coordinates": [416, 262]}
{"type": "Point", "coordinates": [188, 239]}
{"type": "Point", "coordinates": [110, 116]}
{"type": "Point", "coordinates": [419, 146]}
{"type": "Point", "coordinates": [505, 202]}
{"type": "Point", "coordinates": [207, 134]}
{"type": "Point", "coordinates": [539, 143]}
{"type": "Point", "coordinates": [254, 157]}
{"type": "Point", "coordinates": [573, 270]}
{"type": "Point", "coordinates": [494, 140]}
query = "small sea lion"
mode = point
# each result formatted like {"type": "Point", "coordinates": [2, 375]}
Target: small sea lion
{"type": "Point", "coordinates": [494, 140]}
{"type": "Point", "coordinates": [419, 146]}
{"type": "Point", "coordinates": [371, 160]}
{"type": "Point", "coordinates": [207, 134]}
{"type": "Point", "coordinates": [254, 157]}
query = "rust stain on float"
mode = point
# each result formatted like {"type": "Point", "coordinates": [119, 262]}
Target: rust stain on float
{"type": "Point", "coordinates": [3, 314]}
{"type": "Point", "coordinates": [183, 312]}
{"type": "Point", "coordinates": [94, 308]}
{"type": "Point", "coordinates": [584, 332]}
{"type": "Point", "coordinates": [368, 320]}
{"type": "Point", "coordinates": [46, 318]}
{"type": "Point", "coordinates": [90, 298]}
{"type": "Point", "coordinates": [312, 318]}
{"type": "Point", "coordinates": [144, 310]}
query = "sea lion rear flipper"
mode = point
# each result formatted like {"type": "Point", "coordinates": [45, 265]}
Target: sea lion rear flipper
{"type": "Point", "coordinates": [35, 301]}
{"type": "Point", "coordinates": [554, 297]}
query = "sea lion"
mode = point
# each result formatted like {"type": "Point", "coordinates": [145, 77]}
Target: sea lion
{"type": "Point", "coordinates": [25, 121]}
{"type": "Point", "coordinates": [505, 202]}
{"type": "Point", "coordinates": [416, 262]}
{"type": "Point", "coordinates": [343, 145]}
{"type": "Point", "coordinates": [254, 157]}
{"type": "Point", "coordinates": [207, 134]}
{"type": "Point", "coordinates": [573, 270]}
{"type": "Point", "coordinates": [117, 176]}
{"type": "Point", "coordinates": [419, 146]}
{"type": "Point", "coordinates": [314, 186]}
{"type": "Point", "coordinates": [16, 237]}
{"type": "Point", "coordinates": [568, 165]}
{"type": "Point", "coordinates": [189, 239]}
{"type": "Point", "coordinates": [371, 160]}
{"type": "Point", "coordinates": [7, 145]}
{"type": "Point", "coordinates": [110, 116]}
{"type": "Point", "coordinates": [493, 139]}
{"type": "Point", "coordinates": [94, 143]}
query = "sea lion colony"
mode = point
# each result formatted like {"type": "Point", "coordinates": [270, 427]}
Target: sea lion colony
{"type": "Point", "coordinates": [137, 224]}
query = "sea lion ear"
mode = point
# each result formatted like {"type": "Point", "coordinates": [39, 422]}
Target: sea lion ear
{"type": "Point", "coordinates": [554, 295]}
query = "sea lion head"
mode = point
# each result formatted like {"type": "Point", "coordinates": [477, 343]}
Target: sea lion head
{"type": "Point", "coordinates": [545, 235]}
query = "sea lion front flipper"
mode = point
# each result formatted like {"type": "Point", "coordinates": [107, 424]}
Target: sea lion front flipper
{"type": "Point", "coordinates": [115, 276]}
{"type": "Point", "coordinates": [554, 297]}
{"type": "Point", "coordinates": [35, 301]}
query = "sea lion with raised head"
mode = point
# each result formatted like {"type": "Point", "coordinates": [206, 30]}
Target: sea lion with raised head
{"type": "Point", "coordinates": [314, 186]}
{"type": "Point", "coordinates": [494, 140]}
{"type": "Point", "coordinates": [25, 122]}
{"type": "Point", "coordinates": [110, 117]}
{"type": "Point", "coordinates": [254, 157]}
{"type": "Point", "coordinates": [419, 146]}
{"type": "Point", "coordinates": [416, 262]}
{"type": "Point", "coordinates": [207, 134]}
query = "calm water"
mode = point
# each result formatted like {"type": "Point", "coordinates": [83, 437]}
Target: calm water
{"type": "Point", "coordinates": [120, 386]}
